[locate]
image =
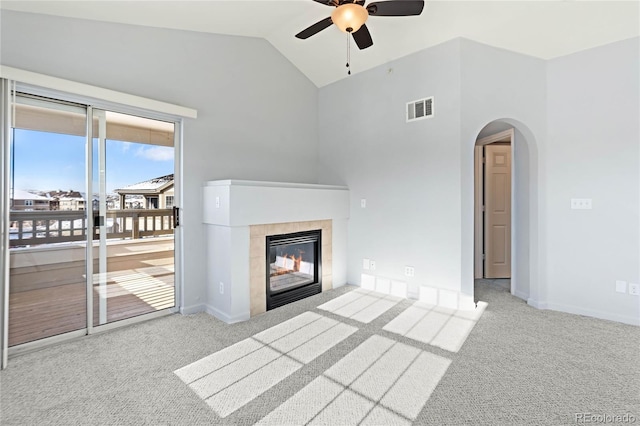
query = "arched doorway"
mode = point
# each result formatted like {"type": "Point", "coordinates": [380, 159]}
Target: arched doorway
{"type": "Point", "coordinates": [512, 251]}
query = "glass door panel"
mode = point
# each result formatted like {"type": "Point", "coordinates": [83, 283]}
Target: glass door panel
{"type": "Point", "coordinates": [48, 220]}
{"type": "Point", "coordinates": [133, 192]}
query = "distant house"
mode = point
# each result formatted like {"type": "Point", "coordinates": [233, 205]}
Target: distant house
{"type": "Point", "coordinates": [27, 201]}
{"type": "Point", "coordinates": [66, 200]}
{"type": "Point", "coordinates": [157, 193]}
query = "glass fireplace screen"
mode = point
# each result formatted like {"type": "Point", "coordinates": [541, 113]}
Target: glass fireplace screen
{"type": "Point", "coordinates": [292, 263]}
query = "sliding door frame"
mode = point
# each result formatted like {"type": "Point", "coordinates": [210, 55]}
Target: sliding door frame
{"type": "Point", "coordinates": [5, 136]}
{"type": "Point", "coordinates": [89, 208]}
{"type": "Point", "coordinates": [107, 101]}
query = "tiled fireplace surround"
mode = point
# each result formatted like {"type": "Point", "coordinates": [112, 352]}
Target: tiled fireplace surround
{"type": "Point", "coordinates": [240, 214]}
{"type": "Point", "coordinates": [257, 250]}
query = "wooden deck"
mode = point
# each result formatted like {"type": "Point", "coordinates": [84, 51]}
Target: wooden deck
{"type": "Point", "coordinates": [48, 290]}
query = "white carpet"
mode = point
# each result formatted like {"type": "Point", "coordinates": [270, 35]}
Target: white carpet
{"type": "Point", "coordinates": [230, 378]}
{"type": "Point", "coordinates": [519, 365]}
{"type": "Point", "coordinates": [381, 381]}
{"type": "Point", "coordinates": [437, 326]}
{"type": "Point", "coordinates": [361, 305]}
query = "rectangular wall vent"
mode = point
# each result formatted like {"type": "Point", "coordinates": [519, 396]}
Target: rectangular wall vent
{"type": "Point", "coordinates": [421, 109]}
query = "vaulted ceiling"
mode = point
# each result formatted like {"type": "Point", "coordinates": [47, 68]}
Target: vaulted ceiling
{"type": "Point", "coordinates": [543, 28]}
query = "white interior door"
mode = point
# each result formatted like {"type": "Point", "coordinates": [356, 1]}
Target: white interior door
{"type": "Point", "coordinates": [497, 194]}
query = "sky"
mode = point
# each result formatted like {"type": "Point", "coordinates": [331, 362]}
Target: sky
{"type": "Point", "coordinates": [49, 161]}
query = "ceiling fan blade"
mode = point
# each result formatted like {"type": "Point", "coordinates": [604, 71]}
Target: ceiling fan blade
{"type": "Point", "coordinates": [396, 8]}
{"type": "Point", "coordinates": [315, 28]}
{"type": "Point", "coordinates": [326, 2]}
{"type": "Point", "coordinates": [362, 37]}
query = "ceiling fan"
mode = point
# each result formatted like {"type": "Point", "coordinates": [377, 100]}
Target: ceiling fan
{"type": "Point", "coordinates": [350, 16]}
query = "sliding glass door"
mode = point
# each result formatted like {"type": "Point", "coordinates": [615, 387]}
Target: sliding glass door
{"type": "Point", "coordinates": [133, 183]}
{"type": "Point", "coordinates": [91, 222]}
{"type": "Point", "coordinates": [47, 220]}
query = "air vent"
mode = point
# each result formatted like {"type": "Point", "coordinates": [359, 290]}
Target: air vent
{"type": "Point", "coordinates": [418, 110]}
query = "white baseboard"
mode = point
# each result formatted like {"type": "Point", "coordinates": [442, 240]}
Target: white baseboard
{"type": "Point", "coordinates": [521, 295]}
{"type": "Point", "coordinates": [227, 318]}
{"type": "Point", "coordinates": [577, 310]}
{"type": "Point", "coordinates": [193, 309]}
{"type": "Point", "coordinates": [537, 304]}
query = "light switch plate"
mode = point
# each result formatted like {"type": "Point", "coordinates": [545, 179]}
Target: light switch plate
{"type": "Point", "coordinates": [621, 286]}
{"type": "Point", "coordinates": [363, 203]}
{"type": "Point", "coordinates": [366, 264]}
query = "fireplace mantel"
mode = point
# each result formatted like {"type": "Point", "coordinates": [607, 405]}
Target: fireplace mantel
{"type": "Point", "coordinates": [232, 207]}
{"type": "Point", "coordinates": [245, 202]}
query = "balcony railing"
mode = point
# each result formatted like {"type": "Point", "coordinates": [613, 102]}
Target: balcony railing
{"type": "Point", "coordinates": [61, 226]}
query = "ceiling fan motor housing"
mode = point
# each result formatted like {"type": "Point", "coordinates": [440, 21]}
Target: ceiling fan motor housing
{"type": "Point", "coordinates": [349, 17]}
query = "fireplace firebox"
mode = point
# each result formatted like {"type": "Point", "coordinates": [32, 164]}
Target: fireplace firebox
{"type": "Point", "coordinates": [294, 269]}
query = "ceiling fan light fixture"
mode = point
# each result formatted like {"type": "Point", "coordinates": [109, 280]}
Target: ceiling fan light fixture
{"type": "Point", "coordinates": [349, 17]}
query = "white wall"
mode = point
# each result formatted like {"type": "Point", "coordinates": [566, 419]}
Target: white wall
{"type": "Point", "coordinates": [245, 128]}
{"type": "Point", "coordinates": [418, 177]}
{"type": "Point", "coordinates": [576, 135]}
{"type": "Point", "coordinates": [409, 173]}
{"type": "Point", "coordinates": [594, 152]}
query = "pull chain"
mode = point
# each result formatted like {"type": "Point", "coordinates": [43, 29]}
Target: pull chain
{"type": "Point", "coordinates": [348, 54]}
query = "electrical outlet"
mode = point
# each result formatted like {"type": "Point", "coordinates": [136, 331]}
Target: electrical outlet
{"type": "Point", "coordinates": [366, 264]}
{"type": "Point", "coordinates": [409, 271]}
{"type": "Point", "coordinates": [372, 265]}
{"type": "Point", "coordinates": [634, 289]}
{"type": "Point", "coordinates": [581, 204]}
{"type": "Point", "coordinates": [221, 287]}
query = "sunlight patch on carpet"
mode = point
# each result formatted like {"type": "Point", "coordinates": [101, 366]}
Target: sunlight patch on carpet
{"type": "Point", "coordinates": [380, 382]}
{"type": "Point", "coordinates": [361, 305]}
{"type": "Point", "coordinates": [232, 377]}
{"type": "Point", "coordinates": [442, 327]}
